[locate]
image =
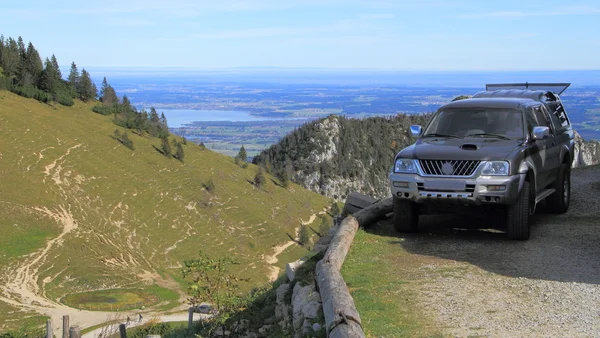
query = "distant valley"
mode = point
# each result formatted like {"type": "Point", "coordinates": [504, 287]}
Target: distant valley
{"type": "Point", "coordinates": [278, 104]}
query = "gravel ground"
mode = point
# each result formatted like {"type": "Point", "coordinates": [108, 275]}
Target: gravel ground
{"type": "Point", "coordinates": [475, 282]}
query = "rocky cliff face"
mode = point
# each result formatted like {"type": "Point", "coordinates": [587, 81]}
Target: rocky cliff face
{"type": "Point", "coordinates": [586, 153]}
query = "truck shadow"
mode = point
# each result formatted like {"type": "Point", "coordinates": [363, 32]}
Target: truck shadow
{"type": "Point", "coordinates": [562, 248]}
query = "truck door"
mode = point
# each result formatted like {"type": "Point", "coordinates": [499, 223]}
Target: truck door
{"type": "Point", "coordinates": [538, 150]}
{"type": "Point", "coordinates": [552, 146]}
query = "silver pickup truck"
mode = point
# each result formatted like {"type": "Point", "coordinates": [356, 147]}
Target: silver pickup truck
{"type": "Point", "coordinates": [508, 147]}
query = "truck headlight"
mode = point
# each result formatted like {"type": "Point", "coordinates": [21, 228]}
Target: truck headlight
{"type": "Point", "coordinates": [495, 168]}
{"type": "Point", "coordinates": [404, 165]}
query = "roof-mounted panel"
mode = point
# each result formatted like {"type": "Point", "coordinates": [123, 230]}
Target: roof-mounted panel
{"type": "Point", "coordinates": [556, 88]}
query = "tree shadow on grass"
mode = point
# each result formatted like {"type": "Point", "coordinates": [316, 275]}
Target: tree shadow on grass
{"type": "Point", "coordinates": [159, 150]}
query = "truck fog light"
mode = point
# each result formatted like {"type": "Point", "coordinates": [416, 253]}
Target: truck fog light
{"type": "Point", "coordinates": [403, 185]}
{"type": "Point", "coordinates": [496, 188]}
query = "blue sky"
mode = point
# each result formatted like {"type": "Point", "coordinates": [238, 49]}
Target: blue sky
{"type": "Point", "coordinates": [384, 34]}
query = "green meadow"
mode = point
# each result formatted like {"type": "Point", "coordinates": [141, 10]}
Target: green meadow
{"type": "Point", "coordinates": [80, 212]}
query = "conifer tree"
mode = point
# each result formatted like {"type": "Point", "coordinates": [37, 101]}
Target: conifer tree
{"type": "Point", "coordinates": [259, 178]}
{"type": "Point", "coordinates": [56, 66]}
{"type": "Point", "coordinates": [87, 88]}
{"type": "Point", "coordinates": [74, 79]}
{"type": "Point", "coordinates": [49, 79]}
{"type": "Point", "coordinates": [324, 227]}
{"type": "Point", "coordinates": [335, 209]}
{"type": "Point", "coordinates": [166, 147]}
{"type": "Point", "coordinates": [303, 235]}
{"type": "Point", "coordinates": [33, 63]}
{"type": "Point", "coordinates": [242, 154]}
{"type": "Point", "coordinates": [179, 154]}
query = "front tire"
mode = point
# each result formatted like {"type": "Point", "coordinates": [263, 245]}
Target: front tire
{"type": "Point", "coordinates": [406, 215]}
{"type": "Point", "coordinates": [517, 215]}
{"type": "Point", "coordinates": [558, 202]}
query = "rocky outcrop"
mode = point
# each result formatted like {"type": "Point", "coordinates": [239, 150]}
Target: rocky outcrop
{"type": "Point", "coordinates": [586, 153]}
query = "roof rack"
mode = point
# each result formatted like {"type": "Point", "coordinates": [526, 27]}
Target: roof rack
{"type": "Point", "coordinates": [556, 88]}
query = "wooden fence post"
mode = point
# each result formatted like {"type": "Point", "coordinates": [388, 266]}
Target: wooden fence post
{"type": "Point", "coordinates": [75, 332]}
{"type": "Point", "coordinates": [190, 317]}
{"type": "Point", "coordinates": [49, 332]}
{"type": "Point", "coordinates": [123, 330]}
{"type": "Point", "coordinates": [65, 332]}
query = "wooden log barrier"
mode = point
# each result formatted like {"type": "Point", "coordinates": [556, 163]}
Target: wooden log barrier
{"type": "Point", "coordinates": [75, 332]}
{"type": "Point", "coordinates": [341, 317]}
{"type": "Point", "coordinates": [49, 332]}
{"type": "Point", "coordinates": [65, 332]}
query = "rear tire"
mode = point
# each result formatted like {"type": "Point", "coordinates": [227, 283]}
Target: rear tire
{"type": "Point", "coordinates": [406, 215]}
{"type": "Point", "coordinates": [517, 215]}
{"type": "Point", "coordinates": [559, 201]}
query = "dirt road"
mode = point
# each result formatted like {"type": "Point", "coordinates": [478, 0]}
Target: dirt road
{"type": "Point", "coordinates": [475, 282]}
{"type": "Point", "coordinates": [114, 328]}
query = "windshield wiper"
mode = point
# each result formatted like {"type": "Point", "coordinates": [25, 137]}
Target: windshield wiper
{"type": "Point", "coordinates": [493, 135]}
{"type": "Point", "coordinates": [440, 135]}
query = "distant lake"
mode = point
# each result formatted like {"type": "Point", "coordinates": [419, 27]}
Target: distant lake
{"type": "Point", "coordinates": [177, 118]}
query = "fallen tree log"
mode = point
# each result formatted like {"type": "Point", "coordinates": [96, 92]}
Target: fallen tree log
{"type": "Point", "coordinates": [341, 317]}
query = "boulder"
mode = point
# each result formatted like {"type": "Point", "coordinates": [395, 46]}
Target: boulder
{"type": "Point", "coordinates": [291, 268]}
{"type": "Point", "coordinates": [311, 310]}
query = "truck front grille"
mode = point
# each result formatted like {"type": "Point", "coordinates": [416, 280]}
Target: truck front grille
{"type": "Point", "coordinates": [448, 168]}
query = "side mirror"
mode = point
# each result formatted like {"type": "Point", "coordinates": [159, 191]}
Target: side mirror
{"type": "Point", "coordinates": [540, 133]}
{"type": "Point", "coordinates": [415, 130]}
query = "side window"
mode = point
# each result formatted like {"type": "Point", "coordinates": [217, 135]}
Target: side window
{"type": "Point", "coordinates": [555, 121]}
{"type": "Point", "coordinates": [559, 111]}
{"type": "Point", "coordinates": [540, 117]}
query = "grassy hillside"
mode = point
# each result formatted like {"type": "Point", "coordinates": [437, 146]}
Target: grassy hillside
{"type": "Point", "coordinates": [79, 211]}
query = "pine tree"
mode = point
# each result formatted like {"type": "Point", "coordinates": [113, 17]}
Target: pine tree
{"type": "Point", "coordinates": [49, 79]}
{"type": "Point", "coordinates": [103, 89]}
{"type": "Point", "coordinates": [335, 209]}
{"type": "Point", "coordinates": [33, 63]}
{"type": "Point", "coordinates": [166, 147]}
{"type": "Point", "coordinates": [324, 227]}
{"type": "Point", "coordinates": [10, 59]}
{"type": "Point", "coordinates": [56, 66]}
{"type": "Point", "coordinates": [86, 89]}
{"type": "Point", "coordinates": [179, 154]}
{"type": "Point", "coordinates": [74, 79]}
{"type": "Point", "coordinates": [259, 179]}
{"type": "Point", "coordinates": [242, 154]}
{"type": "Point", "coordinates": [303, 235]}
{"type": "Point", "coordinates": [107, 94]}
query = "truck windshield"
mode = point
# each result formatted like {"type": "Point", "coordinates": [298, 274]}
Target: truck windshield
{"type": "Point", "coordinates": [477, 122]}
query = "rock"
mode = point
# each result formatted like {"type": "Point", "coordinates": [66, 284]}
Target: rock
{"type": "Point", "coordinates": [326, 239]}
{"type": "Point", "coordinates": [319, 248]}
{"type": "Point", "coordinates": [300, 297]}
{"type": "Point", "coordinates": [314, 297]}
{"type": "Point", "coordinates": [251, 335]}
{"type": "Point", "coordinates": [281, 292]}
{"type": "Point", "coordinates": [264, 331]}
{"type": "Point", "coordinates": [271, 320]}
{"type": "Point", "coordinates": [316, 327]}
{"type": "Point", "coordinates": [311, 310]}
{"type": "Point", "coordinates": [585, 153]}
{"type": "Point", "coordinates": [291, 268]}
{"type": "Point", "coordinates": [282, 313]}
{"type": "Point", "coordinates": [306, 327]}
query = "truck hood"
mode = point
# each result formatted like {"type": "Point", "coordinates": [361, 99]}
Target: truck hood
{"type": "Point", "coordinates": [439, 148]}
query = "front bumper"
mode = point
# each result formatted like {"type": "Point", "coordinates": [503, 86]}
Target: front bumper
{"type": "Point", "coordinates": [474, 191]}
